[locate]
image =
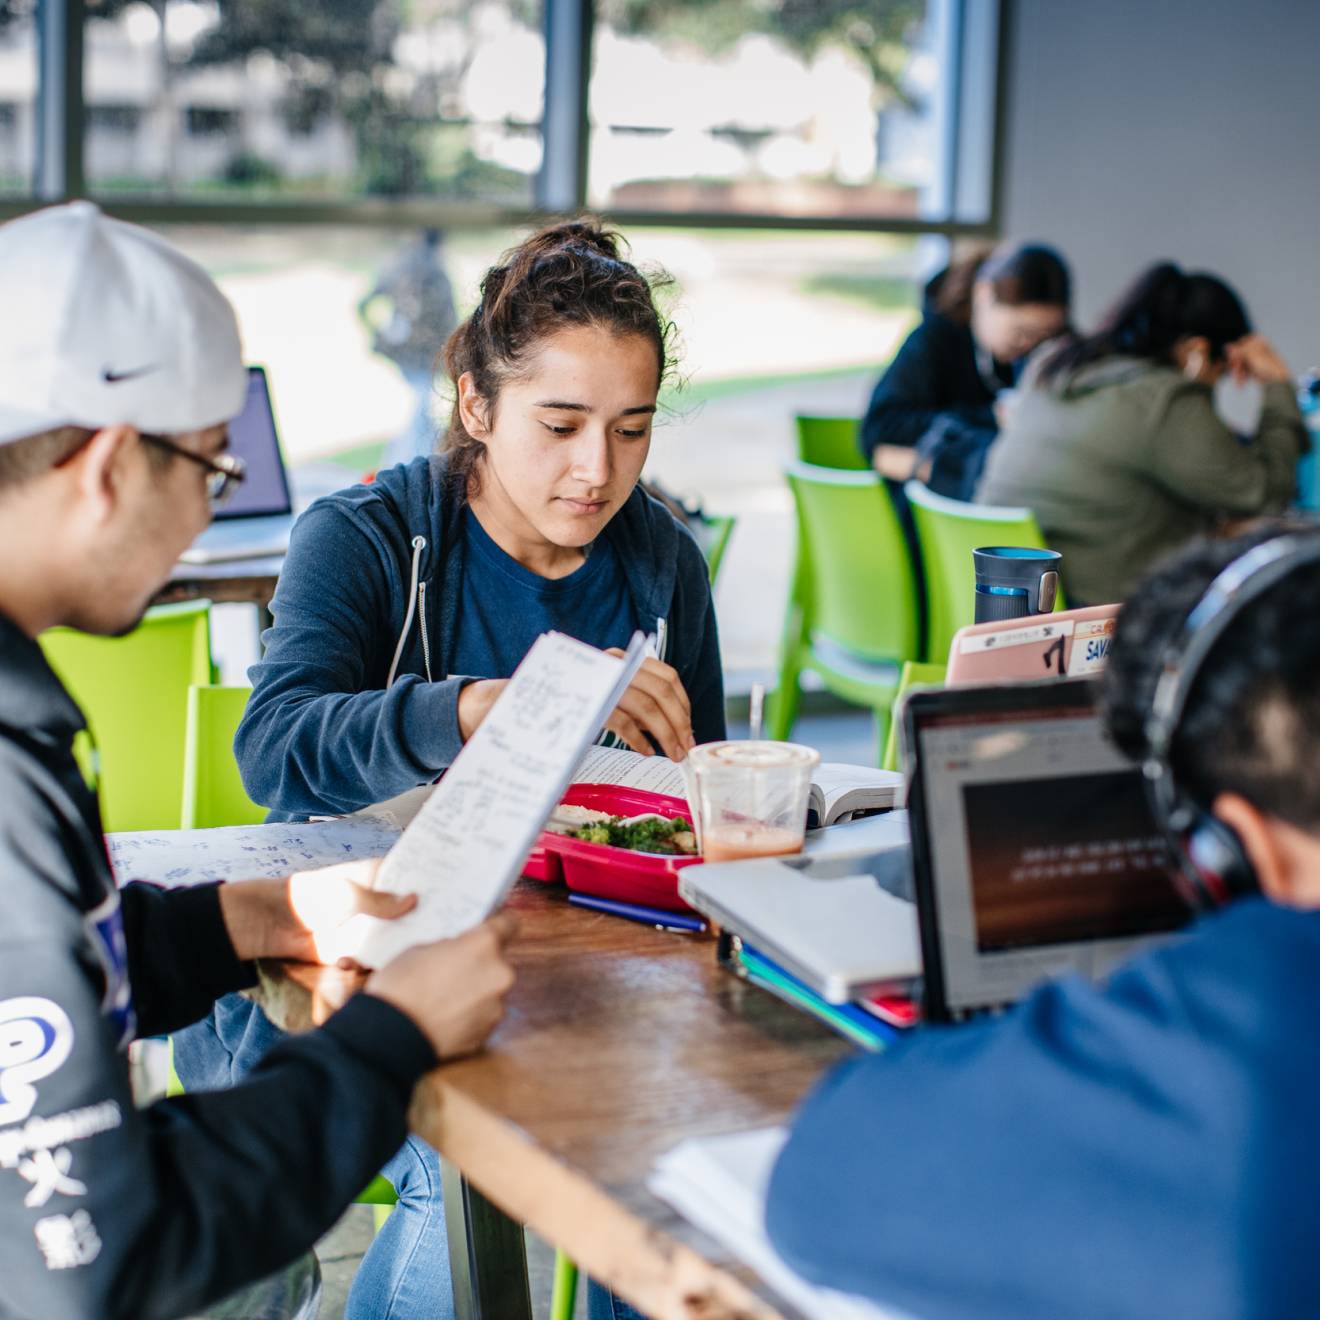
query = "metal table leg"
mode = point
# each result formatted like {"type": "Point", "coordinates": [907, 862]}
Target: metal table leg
{"type": "Point", "coordinates": [487, 1254]}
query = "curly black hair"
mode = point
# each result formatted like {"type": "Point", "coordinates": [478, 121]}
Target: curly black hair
{"type": "Point", "coordinates": [1251, 724]}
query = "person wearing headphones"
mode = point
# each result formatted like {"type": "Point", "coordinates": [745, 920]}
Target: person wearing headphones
{"type": "Point", "coordinates": [1145, 1146]}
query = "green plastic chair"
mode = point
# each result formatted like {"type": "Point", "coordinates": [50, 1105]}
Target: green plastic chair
{"type": "Point", "coordinates": [134, 693]}
{"type": "Point", "coordinates": [852, 608]}
{"type": "Point", "coordinates": [916, 673]}
{"type": "Point", "coordinates": [947, 533]}
{"type": "Point", "coordinates": [830, 442]}
{"type": "Point", "coordinates": [213, 792]}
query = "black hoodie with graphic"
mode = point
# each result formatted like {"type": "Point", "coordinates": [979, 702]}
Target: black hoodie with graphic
{"type": "Point", "coordinates": [107, 1210]}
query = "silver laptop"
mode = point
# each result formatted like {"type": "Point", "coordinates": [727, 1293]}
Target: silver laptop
{"type": "Point", "coordinates": [256, 522]}
{"type": "Point", "coordinates": [837, 916]}
{"type": "Point", "coordinates": [1034, 852]}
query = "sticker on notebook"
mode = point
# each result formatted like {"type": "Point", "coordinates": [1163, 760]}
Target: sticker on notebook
{"type": "Point", "coordinates": [1091, 650]}
{"type": "Point", "coordinates": [999, 641]}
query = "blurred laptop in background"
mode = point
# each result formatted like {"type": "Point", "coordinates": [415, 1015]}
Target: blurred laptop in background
{"type": "Point", "coordinates": [256, 522]}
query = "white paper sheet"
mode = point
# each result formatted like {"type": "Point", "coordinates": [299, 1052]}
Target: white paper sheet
{"type": "Point", "coordinates": [465, 847]}
{"type": "Point", "coordinates": [720, 1184]}
{"type": "Point", "coordinates": [244, 852]}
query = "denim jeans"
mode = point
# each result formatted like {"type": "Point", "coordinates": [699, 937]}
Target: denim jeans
{"type": "Point", "coordinates": [604, 1305]}
{"type": "Point", "coordinates": [405, 1273]}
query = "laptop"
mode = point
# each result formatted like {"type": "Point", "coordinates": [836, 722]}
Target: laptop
{"type": "Point", "coordinates": [257, 520]}
{"type": "Point", "coordinates": [838, 915]}
{"type": "Point", "coordinates": [1034, 851]}
{"type": "Point", "coordinates": [1066, 644]}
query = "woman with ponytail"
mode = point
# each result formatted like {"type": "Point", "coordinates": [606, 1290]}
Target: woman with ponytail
{"type": "Point", "coordinates": [1114, 441]}
{"type": "Point", "coordinates": [405, 605]}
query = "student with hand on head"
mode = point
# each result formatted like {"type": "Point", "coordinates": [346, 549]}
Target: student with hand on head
{"type": "Point", "coordinates": [119, 369]}
{"type": "Point", "coordinates": [1115, 444]}
{"type": "Point", "coordinates": [405, 605]}
{"type": "Point", "coordinates": [933, 411]}
{"type": "Point", "coordinates": [1146, 1146]}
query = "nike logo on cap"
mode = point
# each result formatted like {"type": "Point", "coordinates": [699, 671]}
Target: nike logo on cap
{"type": "Point", "coordinates": [114, 377]}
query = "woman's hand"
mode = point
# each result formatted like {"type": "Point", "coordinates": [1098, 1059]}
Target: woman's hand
{"type": "Point", "coordinates": [655, 704]}
{"type": "Point", "coordinates": [304, 916]}
{"type": "Point", "coordinates": [475, 701]}
{"type": "Point", "coordinates": [1253, 357]}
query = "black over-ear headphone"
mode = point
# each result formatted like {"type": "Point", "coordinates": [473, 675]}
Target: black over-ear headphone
{"type": "Point", "coordinates": [1213, 865]}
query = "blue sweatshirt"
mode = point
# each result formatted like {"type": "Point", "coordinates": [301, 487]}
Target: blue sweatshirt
{"type": "Point", "coordinates": [1146, 1148]}
{"type": "Point", "coordinates": [378, 568]}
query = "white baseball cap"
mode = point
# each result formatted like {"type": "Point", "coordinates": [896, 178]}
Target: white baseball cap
{"type": "Point", "coordinates": [105, 324]}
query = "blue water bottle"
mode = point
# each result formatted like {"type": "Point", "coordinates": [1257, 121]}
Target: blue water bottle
{"type": "Point", "coordinates": [1308, 466]}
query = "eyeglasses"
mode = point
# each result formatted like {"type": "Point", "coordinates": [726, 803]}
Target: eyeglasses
{"type": "Point", "coordinates": [225, 472]}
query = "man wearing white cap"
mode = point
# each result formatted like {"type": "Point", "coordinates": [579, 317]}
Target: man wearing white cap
{"type": "Point", "coordinates": [119, 368]}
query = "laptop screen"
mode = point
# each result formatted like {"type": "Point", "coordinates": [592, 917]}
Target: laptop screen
{"type": "Point", "coordinates": [1033, 842]}
{"type": "Point", "coordinates": [253, 437]}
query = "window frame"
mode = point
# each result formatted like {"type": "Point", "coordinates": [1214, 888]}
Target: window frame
{"type": "Point", "coordinates": [560, 186]}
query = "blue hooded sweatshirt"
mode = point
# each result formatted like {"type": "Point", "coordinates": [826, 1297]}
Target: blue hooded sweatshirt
{"type": "Point", "coordinates": [1149, 1147]}
{"type": "Point", "coordinates": [371, 588]}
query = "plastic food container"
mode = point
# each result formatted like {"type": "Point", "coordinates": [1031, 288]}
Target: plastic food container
{"type": "Point", "coordinates": [650, 879]}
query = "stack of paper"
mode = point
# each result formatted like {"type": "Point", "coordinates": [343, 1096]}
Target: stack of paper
{"type": "Point", "coordinates": [720, 1184]}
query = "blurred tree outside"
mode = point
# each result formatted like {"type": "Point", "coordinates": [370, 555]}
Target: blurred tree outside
{"type": "Point", "coordinates": [338, 59]}
{"type": "Point", "coordinates": [877, 32]}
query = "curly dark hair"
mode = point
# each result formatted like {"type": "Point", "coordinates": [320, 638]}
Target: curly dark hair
{"type": "Point", "coordinates": [570, 274]}
{"type": "Point", "coordinates": [1251, 724]}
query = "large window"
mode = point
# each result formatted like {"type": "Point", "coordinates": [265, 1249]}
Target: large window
{"type": "Point", "coordinates": [18, 95]}
{"type": "Point", "coordinates": [865, 114]}
{"type": "Point", "coordinates": [336, 99]}
{"type": "Point", "coordinates": [803, 108]}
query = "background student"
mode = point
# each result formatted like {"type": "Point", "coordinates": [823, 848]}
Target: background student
{"type": "Point", "coordinates": [1114, 441]}
{"type": "Point", "coordinates": [119, 367]}
{"type": "Point", "coordinates": [1144, 1147]}
{"type": "Point", "coordinates": [980, 317]}
{"type": "Point", "coordinates": [405, 605]}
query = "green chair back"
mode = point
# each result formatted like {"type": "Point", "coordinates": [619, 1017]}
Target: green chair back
{"type": "Point", "coordinates": [213, 792]}
{"type": "Point", "coordinates": [852, 611]}
{"type": "Point", "coordinates": [916, 673]}
{"type": "Point", "coordinates": [134, 692]}
{"type": "Point", "coordinates": [947, 533]}
{"type": "Point", "coordinates": [830, 442]}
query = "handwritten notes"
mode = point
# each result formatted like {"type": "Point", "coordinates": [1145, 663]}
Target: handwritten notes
{"type": "Point", "coordinates": [244, 852]}
{"type": "Point", "coordinates": [464, 848]}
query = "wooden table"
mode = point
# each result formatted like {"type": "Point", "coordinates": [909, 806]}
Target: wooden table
{"type": "Point", "coordinates": [241, 581]}
{"type": "Point", "coordinates": [619, 1041]}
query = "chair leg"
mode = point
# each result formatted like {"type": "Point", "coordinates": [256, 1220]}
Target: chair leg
{"type": "Point", "coordinates": [782, 710]}
{"type": "Point", "coordinates": [884, 737]}
{"type": "Point", "coordinates": [564, 1296]}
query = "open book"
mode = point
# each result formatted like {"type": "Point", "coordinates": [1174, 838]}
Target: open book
{"type": "Point", "coordinates": [719, 1184]}
{"type": "Point", "coordinates": [464, 847]}
{"type": "Point", "coordinates": [838, 792]}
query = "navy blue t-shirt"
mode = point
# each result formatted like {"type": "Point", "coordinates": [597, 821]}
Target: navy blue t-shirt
{"type": "Point", "coordinates": [506, 607]}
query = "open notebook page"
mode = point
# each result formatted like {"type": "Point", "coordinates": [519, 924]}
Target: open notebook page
{"type": "Point", "coordinates": [719, 1184]}
{"type": "Point", "coordinates": [464, 848]}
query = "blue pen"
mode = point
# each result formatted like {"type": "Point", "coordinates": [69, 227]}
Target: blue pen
{"type": "Point", "coordinates": [634, 912]}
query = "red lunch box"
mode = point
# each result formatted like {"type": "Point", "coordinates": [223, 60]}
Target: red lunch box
{"type": "Point", "coordinates": [650, 879]}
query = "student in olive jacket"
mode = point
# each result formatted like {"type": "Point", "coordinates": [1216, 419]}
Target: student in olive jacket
{"type": "Point", "coordinates": [1116, 445]}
